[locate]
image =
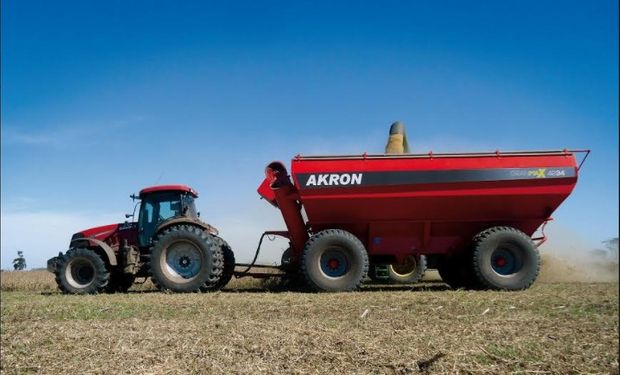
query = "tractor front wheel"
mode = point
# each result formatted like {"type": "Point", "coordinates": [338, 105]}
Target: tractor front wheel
{"type": "Point", "coordinates": [334, 260]}
{"type": "Point", "coordinates": [81, 271]}
{"type": "Point", "coordinates": [183, 258]}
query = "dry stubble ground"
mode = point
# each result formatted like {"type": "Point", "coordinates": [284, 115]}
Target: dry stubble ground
{"type": "Point", "coordinates": [550, 328]}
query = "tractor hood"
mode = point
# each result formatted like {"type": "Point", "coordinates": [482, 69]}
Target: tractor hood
{"type": "Point", "coordinates": [99, 233]}
{"type": "Point", "coordinates": [111, 233]}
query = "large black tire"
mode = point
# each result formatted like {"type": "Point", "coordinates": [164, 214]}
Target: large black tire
{"type": "Point", "coordinates": [81, 271]}
{"type": "Point", "coordinates": [409, 272]}
{"type": "Point", "coordinates": [456, 271]}
{"type": "Point", "coordinates": [120, 282]}
{"type": "Point", "coordinates": [505, 258]}
{"type": "Point", "coordinates": [216, 283]}
{"type": "Point", "coordinates": [334, 260]}
{"type": "Point", "coordinates": [183, 258]}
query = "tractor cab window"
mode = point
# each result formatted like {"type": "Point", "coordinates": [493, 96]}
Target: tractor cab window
{"type": "Point", "coordinates": [169, 209]}
{"type": "Point", "coordinates": [155, 209]}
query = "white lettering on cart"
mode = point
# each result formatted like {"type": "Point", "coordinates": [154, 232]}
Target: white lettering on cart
{"type": "Point", "coordinates": [332, 179]}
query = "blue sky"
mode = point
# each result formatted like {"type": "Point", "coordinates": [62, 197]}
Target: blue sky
{"type": "Point", "coordinates": [100, 99]}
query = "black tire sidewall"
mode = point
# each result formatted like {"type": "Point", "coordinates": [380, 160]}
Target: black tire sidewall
{"type": "Point", "coordinates": [456, 271]}
{"type": "Point", "coordinates": [228, 268]}
{"type": "Point", "coordinates": [525, 251]}
{"type": "Point", "coordinates": [340, 241]}
{"type": "Point", "coordinates": [170, 236]}
{"type": "Point", "coordinates": [100, 272]}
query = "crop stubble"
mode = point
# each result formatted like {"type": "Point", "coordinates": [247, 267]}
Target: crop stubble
{"type": "Point", "coordinates": [551, 328]}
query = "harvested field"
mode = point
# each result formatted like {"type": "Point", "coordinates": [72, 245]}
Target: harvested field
{"type": "Point", "coordinates": [552, 328]}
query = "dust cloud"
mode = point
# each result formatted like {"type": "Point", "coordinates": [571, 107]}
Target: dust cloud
{"type": "Point", "coordinates": [566, 258]}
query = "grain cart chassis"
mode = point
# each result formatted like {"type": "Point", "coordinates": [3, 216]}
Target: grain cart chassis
{"type": "Point", "coordinates": [472, 214]}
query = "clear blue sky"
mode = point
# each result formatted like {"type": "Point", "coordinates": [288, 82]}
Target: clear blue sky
{"type": "Point", "coordinates": [101, 98]}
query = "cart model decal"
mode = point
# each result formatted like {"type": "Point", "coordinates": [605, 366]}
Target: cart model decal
{"type": "Point", "coordinates": [323, 180]}
{"type": "Point", "coordinates": [331, 179]}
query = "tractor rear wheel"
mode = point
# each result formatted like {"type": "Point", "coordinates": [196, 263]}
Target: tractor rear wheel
{"type": "Point", "coordinates": [505, 258]}
{"type": "Point", "coordinates": [81, 271]}
{"type": "Point", "coordinates": [228, 270]}
{"type": "Point", "coordinates": [411, 271]}
{"type": "Point", "coordinates": [334, 260]}
{"type": "Point", "coordinates": [183, 258]}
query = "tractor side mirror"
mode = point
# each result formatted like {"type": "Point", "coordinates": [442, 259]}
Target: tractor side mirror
{"type": "Point", "coordinates": [127, 216]}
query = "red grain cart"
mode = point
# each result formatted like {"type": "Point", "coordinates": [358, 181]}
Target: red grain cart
{"type": "Point", "coordinates": [472, 214]}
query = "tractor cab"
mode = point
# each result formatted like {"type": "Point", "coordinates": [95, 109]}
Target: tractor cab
{"type": "Point", "coordinates": [163, 203]}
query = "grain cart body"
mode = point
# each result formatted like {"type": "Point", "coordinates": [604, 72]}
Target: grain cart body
{"type": "Point", "coordinates": [431, 204]}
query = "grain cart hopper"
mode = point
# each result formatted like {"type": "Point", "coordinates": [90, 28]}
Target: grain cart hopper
{"type": "Point", "coordinates": [472, 214]}
{"type": "Point", "coordinates": [414, 267]}
{"type": "Point", "coordinates": [168, 243]}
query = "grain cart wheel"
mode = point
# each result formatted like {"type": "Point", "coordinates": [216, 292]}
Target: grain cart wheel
{"type": "Point", "coordinates": [411, 271]}
{"type": "Point", "coordinates": [334, 260]}
{"type": "Point", "coordinates": [505, 258]}
{"type": "Point", "coordinates": [82, 271]}
{"type": "Point", "coordinates": [450, 274]}
{"type": "Point", "coordinates": [456, 271]}
{"type": "Point", "coordinates": [120, 282]}
{"type": "Point", "coordinates": [183, 258]}
{"type": "Point", "coordinates": [226, 253]}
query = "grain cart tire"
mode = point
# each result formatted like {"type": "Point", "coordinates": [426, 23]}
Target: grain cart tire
{"type": "Point", "coordinates": [456, 271]}
{"type": "Point", "coordinates": [228, 270]}
{"type": "Point", "coordinates": [293, 281]}
{"type": "Point", "coordinates": [120, 282]}
{"type": "Point", "coordinates": [334, 260]}
{"type": "Point", "coordinates": [411, 271]}
{"type": "Point", "coordinates": [183, 258]}
{"type": "Point", "coordinates": [82, 271]}
{"type": "Point", "coordinates": [505, 258]}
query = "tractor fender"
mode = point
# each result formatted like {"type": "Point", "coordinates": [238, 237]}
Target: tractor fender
{"type": "Point", "coordinates": [185, 220]}
{"type": "Point", "coordinates": [104, 246]}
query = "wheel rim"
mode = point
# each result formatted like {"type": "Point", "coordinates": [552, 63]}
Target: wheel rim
{"type": "Point", "coordinates": [334, 263]}
{"type": "Point", "coordinates": [182, 260]}
{"type": "Point", "coordinates": [80, 273]}
{"type": "Point", "coordinates": [505, 260]}
{"type": "Point", "coordinates": [405, 269]}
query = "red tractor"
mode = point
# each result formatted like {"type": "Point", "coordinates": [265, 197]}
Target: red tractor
{"type": "Point", "coordinates": [168, 243]}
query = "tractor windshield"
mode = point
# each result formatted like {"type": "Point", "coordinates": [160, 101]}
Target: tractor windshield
{"type": "Point", "coordinates": [159, 207]}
